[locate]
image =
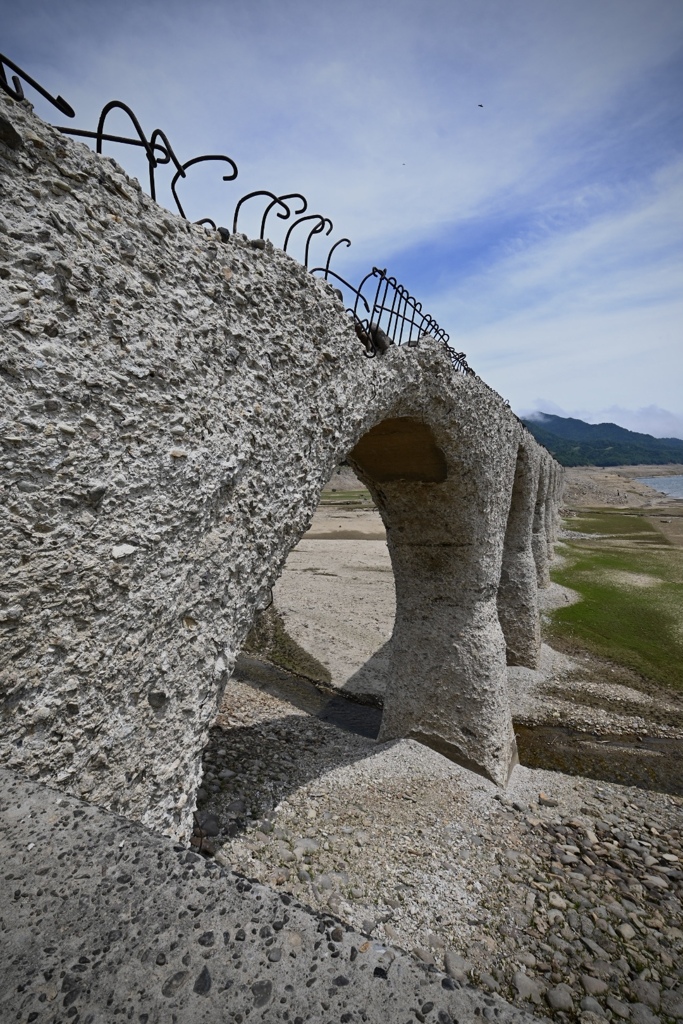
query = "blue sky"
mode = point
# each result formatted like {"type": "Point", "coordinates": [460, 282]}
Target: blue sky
{"type": "Point", "coordinates": [543, 229]}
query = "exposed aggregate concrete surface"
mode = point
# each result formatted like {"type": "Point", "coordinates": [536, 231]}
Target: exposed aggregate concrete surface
{"type": "Point", "coordinates": [171, 409]}
{"type": "Point", "coordinates": [103, 920]}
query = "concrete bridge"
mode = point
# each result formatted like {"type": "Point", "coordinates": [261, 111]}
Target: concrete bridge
{"type": "Point", "coordinates": [172, 406]}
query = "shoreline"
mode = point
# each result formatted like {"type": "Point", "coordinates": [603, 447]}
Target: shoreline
{"type": "Point", "coordinates": [618, 487]}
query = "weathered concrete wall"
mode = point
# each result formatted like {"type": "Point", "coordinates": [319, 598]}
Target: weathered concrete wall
{"type": "Point", "coordinates": [171, 408]}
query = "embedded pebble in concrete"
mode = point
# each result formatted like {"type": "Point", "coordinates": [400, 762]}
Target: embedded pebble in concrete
{"type": "Point", "coordinates": [103, 921]}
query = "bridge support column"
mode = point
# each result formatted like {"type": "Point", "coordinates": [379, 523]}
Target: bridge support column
{"type": "Point", "coordinates": [539, 538]}
{"type": "Point", "coordinates": [451, 693]}
{"type": "Point", "coordinates": [518, 591]}
{"type": "Point", "coordinates": [552, 508]}
{"type": "Point", "coordinates": [445, 513]}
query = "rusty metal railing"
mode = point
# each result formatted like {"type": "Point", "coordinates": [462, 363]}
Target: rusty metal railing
{"type": "Point", "coordinates": [383, 311]}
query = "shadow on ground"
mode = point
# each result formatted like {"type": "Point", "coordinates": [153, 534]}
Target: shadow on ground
{"type": "Point", "coordinates": [251, 768]}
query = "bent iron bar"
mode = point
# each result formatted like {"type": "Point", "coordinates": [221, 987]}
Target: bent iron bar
{"type": "Point", "coordinates": [393, 318]}
{"type": "Point", "coordinates": [17, 93]}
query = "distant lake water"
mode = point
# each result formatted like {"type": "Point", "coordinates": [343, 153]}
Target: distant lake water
{"type": "Point", "coordinates": [672, 485]}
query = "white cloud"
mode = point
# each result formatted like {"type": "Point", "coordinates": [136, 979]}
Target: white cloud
{"type": "Point", "coordinates": [589, 317]}
{"type": "Point", "coordinates": [650, 419]}
{"type": "Point", "coordinates": [371, 109]}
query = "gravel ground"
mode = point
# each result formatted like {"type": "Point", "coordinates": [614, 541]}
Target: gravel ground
{"type": "Point", "coordinates": [615, 486]}
{"type": "Point", "coordinates": [336, 599]}
{"type": "Point", "coordinates": [567, 903]}
{"type": "Point", "coordinates": [562, 894]}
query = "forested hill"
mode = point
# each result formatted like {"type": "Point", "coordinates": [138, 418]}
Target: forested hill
{"type": "Point", "coordinates": [575, 443]}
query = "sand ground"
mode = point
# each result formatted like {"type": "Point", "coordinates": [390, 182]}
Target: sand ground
{"type": "Point", "coordinates": [337, 600]}
{"type": "Point", "coordinates": [617, 487]}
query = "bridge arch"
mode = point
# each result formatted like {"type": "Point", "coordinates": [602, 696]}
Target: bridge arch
{"type": "Point", "coordinates": [173, 406]}
{"type": "Point", "coordinates": [443, 500]}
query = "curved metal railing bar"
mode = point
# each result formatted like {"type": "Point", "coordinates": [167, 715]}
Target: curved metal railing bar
{"type": "Point", "coordinates": [252, 195]}
{"type": "Point", "coordinates": [181, 173]}
{"type": "Point", "coordinates": [326, 272]}
{"type": "Point", "coordinates": [168, 156]}
{"type": "Point", "coordinates": [317, 229]}
{"type": "Point", "coordinates": [142, 139]}
{"type": "Point", "coordinates": [157, 147]}
{"type": "Point", "coordinates": [393, 317]}
{"type": "Point", "coordinates": [359, 290]}
{"type": "Point", "coordinates": [166, 149]}
{"type": "Point", "coordinates": [282, 200]}
{"type": "Point", "coordinates": [397, 318]}
{"type": "Point", "coordinates": [329, 255]}
{"type": "Point", "coordinates": [17, 93]}
{"type": "Point", "coordinates": [361, 324]}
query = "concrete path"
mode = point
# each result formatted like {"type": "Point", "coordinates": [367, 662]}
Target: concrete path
{"type": "Point", "coordinates": [103, 920]}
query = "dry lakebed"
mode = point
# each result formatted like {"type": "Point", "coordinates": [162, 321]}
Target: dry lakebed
{"type": "Point", "coordinates": [562, 893]}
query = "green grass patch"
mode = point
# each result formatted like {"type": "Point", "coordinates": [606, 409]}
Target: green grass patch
{"type": "Point", "coordinates": [614, 524]}
{"type": "Point", "coordinates": [632, 595]}
{"type": "Point", "coordinates": [334, 497]}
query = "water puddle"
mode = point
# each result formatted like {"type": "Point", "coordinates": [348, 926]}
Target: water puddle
{"type": "Point", "coordinates": [648, 762]}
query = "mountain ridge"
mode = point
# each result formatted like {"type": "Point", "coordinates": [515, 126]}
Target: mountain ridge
{"type": "Point", "coordinates": [574, 442]}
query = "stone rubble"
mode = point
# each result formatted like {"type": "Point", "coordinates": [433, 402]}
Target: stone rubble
{"type": "Point", "coordinates": [567, 903]}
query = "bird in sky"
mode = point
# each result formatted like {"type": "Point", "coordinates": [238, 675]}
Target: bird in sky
{"type": "Point", "coordinates": [480, 104]}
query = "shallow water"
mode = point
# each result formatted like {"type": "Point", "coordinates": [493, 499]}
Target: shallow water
{"type": "Point", "coordinates": [671, 485]}
{"type": "Point", "coordinates": [647, 762]}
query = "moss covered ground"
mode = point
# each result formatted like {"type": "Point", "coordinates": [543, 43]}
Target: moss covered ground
{"type": "Point", "coordinates": [630, 579]}
{"type": "Point", "coordinates": [269, 639]}
{"type": "Point", "coordinates": [358, 497]}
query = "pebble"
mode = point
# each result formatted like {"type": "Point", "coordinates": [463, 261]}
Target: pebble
{"type": "Point", "coordinates": [642, 1014]}
{"type": "Point", "coordinates": [617, 1006]}
{"type": "Point", "coordinates": [646, 992]}
{"type": "Point", "coordinates": [593, 986]}
{"type": "Point", "coordinates": [528, 988]}
{"type": "Point", "coordinates": [560, 997]}
{"type": "Point", "coordinates": [122, 550]}
{"type": "Point", "coordinates": [424, 955]}
{"type": "Point", "coordinates": [672, 1003]}
{"type": "Point", "coordinates": [592, 1005]}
